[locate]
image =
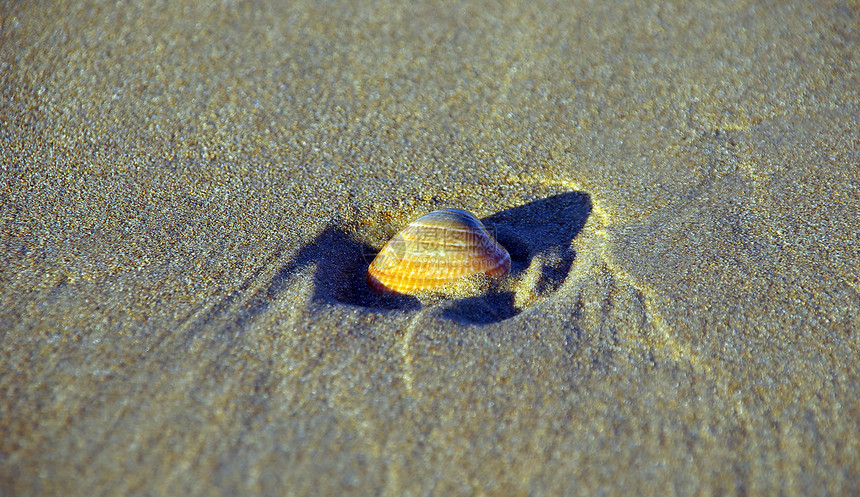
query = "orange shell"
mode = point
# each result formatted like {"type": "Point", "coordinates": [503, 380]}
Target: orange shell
{"type": "Point", "coordinates": [435, 250]}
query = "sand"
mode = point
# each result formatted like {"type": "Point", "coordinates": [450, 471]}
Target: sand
{"type": "Point", "coordinates": [190, 195]}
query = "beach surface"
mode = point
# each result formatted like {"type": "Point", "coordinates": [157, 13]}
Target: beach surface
{"type": "Point", "coordinates": [191, 193]}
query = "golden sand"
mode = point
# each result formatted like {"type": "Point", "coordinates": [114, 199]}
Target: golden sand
{"type": "Point", "coordinates": [191, 193]}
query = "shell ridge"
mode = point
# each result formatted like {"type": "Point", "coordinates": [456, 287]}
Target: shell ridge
{"type": "Point", "coordinates": [437, 249]}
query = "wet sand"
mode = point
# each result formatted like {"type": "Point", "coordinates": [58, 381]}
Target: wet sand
{"type": "Point", "coordinates": [190, 196]}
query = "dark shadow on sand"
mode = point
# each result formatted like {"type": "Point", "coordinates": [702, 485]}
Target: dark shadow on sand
{"type": "Point", "coordinates": [341, 274]}
{"type": "Point", "coordinates": [341, 264]}
{"type": "Point", "coordinates": [546, 226]}
{"type": "Point", "coordinates": [486, 309]}
{"type": "Point", "coordinates": [341, 261]}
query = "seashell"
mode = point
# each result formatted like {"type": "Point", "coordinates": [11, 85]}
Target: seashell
{"type": "Point", "coordinates": [437, 249]}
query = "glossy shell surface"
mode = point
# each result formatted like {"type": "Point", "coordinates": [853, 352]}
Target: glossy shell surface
{"type": "Point", "coordinates": [435, 250]}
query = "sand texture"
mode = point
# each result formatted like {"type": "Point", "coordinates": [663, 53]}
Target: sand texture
{"type": "Point", "coordinates": [191, 193]}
